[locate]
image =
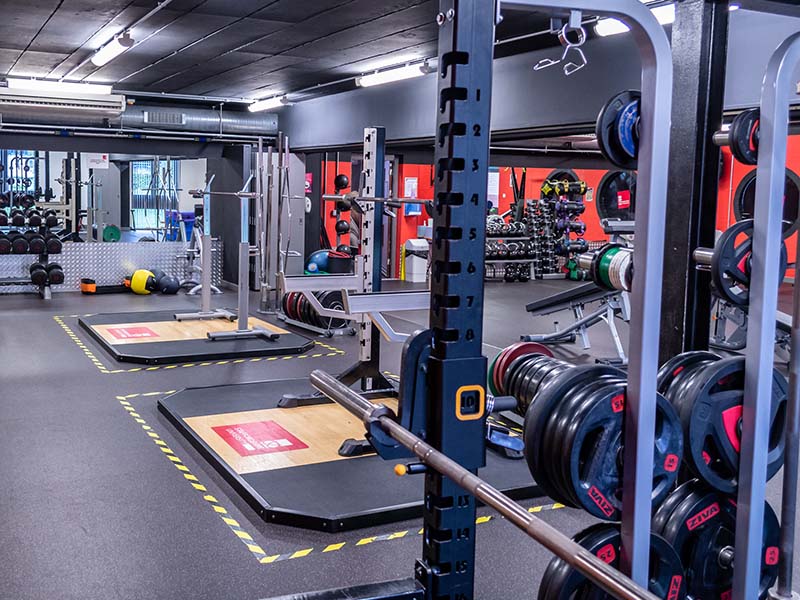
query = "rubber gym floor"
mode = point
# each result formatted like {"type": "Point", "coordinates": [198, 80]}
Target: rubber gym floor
{"type": "Point", "coordinates": [103, 498]}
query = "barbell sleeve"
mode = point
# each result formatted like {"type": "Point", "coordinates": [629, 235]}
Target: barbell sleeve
{"type": "Point", "coordinates": [603, 575]}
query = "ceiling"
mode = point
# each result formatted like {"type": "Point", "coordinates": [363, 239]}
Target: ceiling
{"type": "Point", "coordinates": [229, 48]}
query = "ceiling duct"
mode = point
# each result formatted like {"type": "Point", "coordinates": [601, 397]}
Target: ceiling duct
{"type": "Point", "coordinates": [112, 112]}
{"type": "Point", "coordinates": [204, 120]}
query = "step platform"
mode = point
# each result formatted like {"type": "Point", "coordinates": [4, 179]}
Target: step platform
{"type": "Point", "coordinates": [155, 338]}
{"type": "Point", "coordinates": [284, 461]}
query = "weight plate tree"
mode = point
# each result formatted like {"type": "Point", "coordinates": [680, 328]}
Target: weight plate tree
{"type": "Point", "coordinates": [616, 195]}
{"type": "Point", "coordinates": [744, 199]}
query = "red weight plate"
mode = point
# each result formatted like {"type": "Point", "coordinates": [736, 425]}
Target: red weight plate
{"type": "Point", "coordinates": [511, 353]}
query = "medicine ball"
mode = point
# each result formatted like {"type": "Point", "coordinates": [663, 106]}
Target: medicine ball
{"type": "Point", "coordinates": [317, 261]}
{"type": "Point", "coordinates": [158, 275]}
{"type": "Point", "coordinates": [169, 284]}
{"type": "Point", "coordinates": [342, 227]}
{"type": "Point", "coordinates": [143, 282]}
{"type": "Point", "coordinates": [341, 182]}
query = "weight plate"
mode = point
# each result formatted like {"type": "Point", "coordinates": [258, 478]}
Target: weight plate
{"type": "Point", "coordinates": [745, 197]}
{"type": "Point", "coordinates": [678, 363]}
{"type": "Point", "coordinates": [547, 398]}
{"type": "Point", "coordinates": [336, 302]}
{"type": "Point", "coordinates": [562, 582]}
{"type": "Point", "coordinates": [535, 380]}
{"type": "Point", "coordinates": [743, 136]}
{"type": "Point", "coordinates": [713, 435]}
{"type": "Point", "coordinates": [673, 499]}
{"type": "Point", "coordinates": [514, 351]}
{"type": "Point", "coordinates": [730, 263]}
{"type": "Point", "coordinates": [516, 373]}
{"type": "Point", "coordinates": [627, 126]}
{"type": "Point", "coordinates": [700, 527]}
{"type": "Point", "coordinates": [490, 376]}
{"type": "Point", "coordinates": [593, 451]}
{"type": "Point", "coordinates": [607, 133]}
{"type": "Point", "coordinates": [616, 196]}
{"type": "Point", "coordinates": [560, 439]}
{"type": "Point", "coordinates": [296, 306]}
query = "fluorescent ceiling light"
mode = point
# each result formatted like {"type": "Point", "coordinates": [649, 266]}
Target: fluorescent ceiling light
{"type": "Point", "coordinates": [268, 104]}
{"type": "Point", "coordinates": [390, 75]}
{"type": "Point", "coordinates": [733, 7]}
{"type": "Point", "coordinates": [665, 14]}
{"type": "Point", "coordinates": [112, 49]}
{"type": "Point", "coordinates": [43, 85]}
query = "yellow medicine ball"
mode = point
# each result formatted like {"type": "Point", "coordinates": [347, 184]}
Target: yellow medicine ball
{"type": "Point", "coordinates": [142, 282]}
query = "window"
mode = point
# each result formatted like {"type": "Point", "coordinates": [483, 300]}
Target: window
{"type": "Point", "coordinates": [154, 192]}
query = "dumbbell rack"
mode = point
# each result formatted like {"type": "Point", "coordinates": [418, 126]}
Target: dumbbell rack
{"type": "Point", "coordinates": [45, 290]}
{"type": "Point", "coordinates": [506, 261]}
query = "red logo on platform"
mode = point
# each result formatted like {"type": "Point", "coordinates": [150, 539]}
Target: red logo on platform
{"type": "Point", "coordinates": [710, 511]}
{"type": "Point", "coordinates": [262, 437]}
{"type": "Point", "coordinates": [132, 333]}
{"type": "Point", "coordinates": [600, 500]}
{"type": "Point", "coordinates": [624, 199]}
{"type": "Point", "coordinates": [674, 587]}
{"type": "Point", "coordinates": [607, 554]}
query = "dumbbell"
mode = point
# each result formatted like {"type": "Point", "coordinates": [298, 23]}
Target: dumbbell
{"type": "Point", "coordinates": [38, 274]}
{"type": "Point", "coordinates": [5, 244]}
{"type": "Point", "coordinates": [3, 218]}
{"type": "Point", "coordinates": [55, 274]}
{"type": "Point", "coordinates": [17, 218]}
{"type": "Point", "coordinates": [564, 248]}
{"type": "Point", "coordinates": [53, 244]}
{"type": "Point", "coordinates": [19, 245]}
{"type": "Point", "coordinates": [50, 218]}
{"type": "Point", "coordinates": [34, 218]}
{"type": "Point", "coordinates": [36, 242]}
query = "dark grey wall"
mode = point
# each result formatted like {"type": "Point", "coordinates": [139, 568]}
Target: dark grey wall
{"type": "Point", "coordinates": [526, 99]}
{"type": "Point", "coordinates": [754, 37]}
{"type": "Point", "coordinates": [231, 171]}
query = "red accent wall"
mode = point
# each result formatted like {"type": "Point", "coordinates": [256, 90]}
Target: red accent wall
{"type": "Point", "coordinates": [535, 179]}
{"type": "Point", "coordinates": [732, 174]}
{"type": "Point", "coordinates": [407, 225]}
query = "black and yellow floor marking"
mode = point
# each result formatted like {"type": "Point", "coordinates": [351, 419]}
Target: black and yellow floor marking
{"type": "Point", "coordinates": [385, 537]}
{"type": "Point", "coordinates": [257, 551]}
{"type": "Point", "coordinates": [325, 350]}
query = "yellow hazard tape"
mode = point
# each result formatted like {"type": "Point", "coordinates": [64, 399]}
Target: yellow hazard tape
{"type": "Point", "coordinates": [331, 351]}
{"type": "Point", "coordinates": [256, 550]}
